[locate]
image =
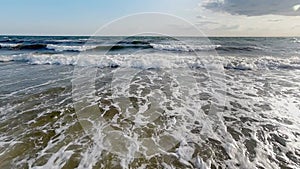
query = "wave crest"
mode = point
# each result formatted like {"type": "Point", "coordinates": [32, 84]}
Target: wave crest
{"type": "Point", "coordinates": [157, 61]}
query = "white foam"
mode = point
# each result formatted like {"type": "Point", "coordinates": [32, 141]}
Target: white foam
{"type": "Point", "coordinates": [295, 40]}
{"type": "Point", "coordinates": [6, 58]}
{"type": "Point", "coordinates": [68, 40]}
{"type": "Point", "coordinates": [182, 47]}
{"type": "Point", "coordinates": [185, 106]}
{"type": "Point", "coordinates": [8, 45]}
{"type": "Point", "coordinates": [61, 48]}
{"type": "Point", "coordinates": [135, 61]}
{"type": "Point", "coordinates": [158, 61]}
{"type": "Point", "coordinates": [261, 62]}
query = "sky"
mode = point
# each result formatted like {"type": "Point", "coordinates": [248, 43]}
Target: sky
{"type": "Point", "coordinates": [212, 17]}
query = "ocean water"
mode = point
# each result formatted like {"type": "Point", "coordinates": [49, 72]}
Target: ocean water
{"type": "Point", "coordinates": [149, 102]}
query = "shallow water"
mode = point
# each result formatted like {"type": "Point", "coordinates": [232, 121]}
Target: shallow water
{"type": "Point", "coordinates": [169, 110]}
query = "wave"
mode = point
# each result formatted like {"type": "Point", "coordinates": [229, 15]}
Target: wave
{"type": "Point", "coordinates": [261, 63]}
{"type": "Point", "coordinates": [135, 61]}
{"type": "Point", "coordinates": [31, 47]}
{"type": "Point", "coordinates": [71, 48]}
{"type": "Point", "coordinates": [186, 48]}
{"type": "Point", "coordinates": [58, 48]}
{"type": "Point", "coordinates": [68, 40]}
{"type": "Point", "coordinates": [295, 40]}
{"type": "Point", "coordinates": [123, 45]}
{"type": "Point", "coordinates": [134, 42]}
{"type": "Point", "coordinates": [44, 40]}
{"type": "Point", "coordinates": [23, 46]}
{"type": "Point", "coordinates": [41, 59]}
{"type": "Point", "coordinates": [239, 65]}
{"type": "Point", "coordinates": [80, 48]}
{"type": "Point", "coordinates": [183, 48]}
{"type": "Point", "coordinates": [237, 48]}
{"type": "Point", "coordinates": [8, 40]}
{"type": "Point", "coordinates": [61, 48]}
{"type": "Point", "coordinates": [158, 61]}
{"type": "Point", "coordinates": [8, 45]}
{"type": "Point", "coordinates": [75, 45]}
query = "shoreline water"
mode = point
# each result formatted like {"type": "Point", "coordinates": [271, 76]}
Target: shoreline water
{"type": "Point", "coordinates": [256, 126]}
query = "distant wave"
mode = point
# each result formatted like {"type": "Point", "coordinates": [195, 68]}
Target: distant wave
{"type": "Point", "coordinates": [8, 45]}
{"type": "Point", "coordinates": [23, 46]}
{"type": "Point", "coordinates": [61, 48]}
{"type": "Point", "coordinates": [31, 47]}
{"type": "Point", "coordinates": [7, 40]}
{"type": "Point", "coordinates": [118, 46]}
{"type": "Point", "coordinates": [187, 48]}
{"type": "Point", "coordinates": [295, 40]}
{"type": "Point", "coordinates": [237, 48]}
{"type": "Point", "coordinates": [134, 42]}
{"type": "Point", "coordinates": [45, 41]}
{"type": "Point", "coordinates": [68, 40]}
{"type": "Point", "coordinates": [78, 45]}
{"type": "Point", "coordinates": [184, 48]}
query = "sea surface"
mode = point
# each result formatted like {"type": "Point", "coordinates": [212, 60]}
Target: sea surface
{"type": "Point", "coordinates": [149, 102]}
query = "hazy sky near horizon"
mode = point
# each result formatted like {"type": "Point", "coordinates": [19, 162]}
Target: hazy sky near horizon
{"type": "Point", "coordinates": [213, 17]}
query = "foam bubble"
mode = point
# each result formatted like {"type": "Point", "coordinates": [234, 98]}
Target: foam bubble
{"type": "Point", "coordinates": [8, 45]}
{"type": "Point", "coordinates": [61, 48]}
{"type": "Point", "coordinates": [183, 48]}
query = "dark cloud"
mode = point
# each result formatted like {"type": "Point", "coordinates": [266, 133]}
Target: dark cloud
{"type": "Point", "coordinates": [254, 7]}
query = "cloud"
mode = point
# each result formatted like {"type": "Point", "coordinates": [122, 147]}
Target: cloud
{"type": "Point", "coordinates": [228, 27]}
{"type": "Point", "coordinates": [297, 27]}
{"type": "Point", "coordinates": [275, 20]}
{"type": "Point", "coordinates": [203, 23]}
{"type": "Point", "coordinates": [254, 7]}
{"type": "Point", "coordinates": [296, 7]}
{"type": "Point", "coordinates": [200, 17]}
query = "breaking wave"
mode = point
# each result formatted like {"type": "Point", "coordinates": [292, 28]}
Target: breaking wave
{"type": "Point", "coordinates": [59, 46]}
{"type": "Point", "coordinates": [157, 61]}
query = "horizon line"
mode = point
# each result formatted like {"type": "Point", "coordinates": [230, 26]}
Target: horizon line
{"type": "Point", "coordinates": [209, 36]}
